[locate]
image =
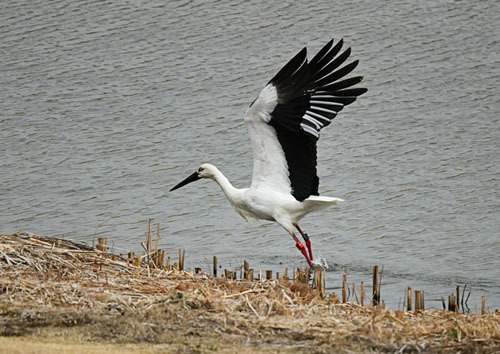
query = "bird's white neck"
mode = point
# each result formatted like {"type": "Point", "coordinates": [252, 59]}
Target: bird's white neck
{"type": "Point", "coordinates": [231, 193]}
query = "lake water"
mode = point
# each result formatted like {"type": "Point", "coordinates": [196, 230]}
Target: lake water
{"type": "Point", "coordinates": [106, 105]}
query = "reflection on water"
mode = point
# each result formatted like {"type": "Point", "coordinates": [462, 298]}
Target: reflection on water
{"type": "Point", "coordinates": [105, 106]}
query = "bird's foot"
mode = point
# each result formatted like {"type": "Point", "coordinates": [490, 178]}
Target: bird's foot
{"type": "Point", "coordinates": [302, 249]}
{"type": "Point", "coordinates": [319, 263]}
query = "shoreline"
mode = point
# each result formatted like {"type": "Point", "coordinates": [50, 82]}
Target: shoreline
{"type": "Point", "coordinates": [56, 292]}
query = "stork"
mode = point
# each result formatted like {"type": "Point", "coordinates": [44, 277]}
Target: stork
{"type": "Point", "coordinates": [284, 123]}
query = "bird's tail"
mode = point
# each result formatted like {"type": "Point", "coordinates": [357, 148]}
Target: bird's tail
{"type": "Point", "coordinates": [319, 202]}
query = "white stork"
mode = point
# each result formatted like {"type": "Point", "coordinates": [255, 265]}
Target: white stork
{"type": "Point", "coordinates": [284, 122]}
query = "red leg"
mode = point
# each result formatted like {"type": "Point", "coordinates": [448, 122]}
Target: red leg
{"type": "Point", "coordinates": [302, 249]}
{"type": "Point", "coordinates": [308, 242]}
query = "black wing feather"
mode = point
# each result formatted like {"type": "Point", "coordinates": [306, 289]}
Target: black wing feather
{"type": "Point", "coordinates": [338, 74]}
{"type": "Point", "coordinates": [325, 59]}
{"type": "Point", "coordinates": [309, 96]}
{"type": "Point", "coordinates": [300, 152]}
{"type": "Point", "coordinates": [319, 55]}
{"type": "Point", "coordinates": [335, 63]}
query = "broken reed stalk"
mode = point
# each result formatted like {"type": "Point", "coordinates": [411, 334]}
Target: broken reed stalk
{"type": "Point", "coordinates": [246, 271]}
{"type": "Point", "coordinates": [408, 299]}
{"type": "Point", "coordinates": [458, 299]}
{"type": "Point", "coordinates": [102, 244]}
{"type": "Point", "coordinates": [230, 274]}
{"type": "Point", "coordinates": [319, 282]}
{"type": "Point", "coordinates": [344, 290]}
{"type": "Point", "coordinates": [379, 283]}
{"type": "Point", "coordinates": [375, 297]}
{"type": "Point", "coordinates": [323, 284]}
{"type": "Point", "coordinates": [149, 239]}
{"type": "Point", "coordinates": [463, 296]}
{"type": "Point", "coordinates": [355, 293]}
{"type": "Point", "coordinates": [269, 275]}
{"type": "Point", "coordinates": [362, 293]}
{"type": "Point", "coordinates": [419, 302]}
{"type": "Point", "coordinates": [150, 236]}
{"type": "Point", "coordinates": [146, 255]}
{"type": "Point", "coordinates": [162, 257]}
{"type": "Point", "coordinates": [214, 269]}
{"type": "Point", "coordinates": [452, 303]}
{"type": "Point", "coordinates": [157, 236]}
{"type": "Point", "coordinates": [315, 282]}
{"type": "Point", "coordinates": [180, 265]}
{"type": "Point", "coordinates": [483, 305]}
{"type": "Point", "coordinates": [183, 256]}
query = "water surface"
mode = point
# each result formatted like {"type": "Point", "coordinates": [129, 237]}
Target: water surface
{"type": "Point", "coordinates": [106, 105]}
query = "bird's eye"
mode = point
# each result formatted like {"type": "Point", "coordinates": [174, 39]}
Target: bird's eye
{"type": "Point", "coordinates": [200, 169]}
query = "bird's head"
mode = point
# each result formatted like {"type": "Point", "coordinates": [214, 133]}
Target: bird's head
{"type": "Point", "coordinates": [204, 171]}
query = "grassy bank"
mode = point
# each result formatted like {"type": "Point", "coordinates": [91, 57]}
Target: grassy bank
{"type": "Point", "coordinates": [57, 295]}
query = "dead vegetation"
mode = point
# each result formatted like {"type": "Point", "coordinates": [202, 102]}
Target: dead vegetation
{"type": "Point", "coordinates": [49, 285]}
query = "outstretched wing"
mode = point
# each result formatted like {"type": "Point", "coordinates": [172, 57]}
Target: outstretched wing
{"type": "Point", "coordinates": [286, 118]}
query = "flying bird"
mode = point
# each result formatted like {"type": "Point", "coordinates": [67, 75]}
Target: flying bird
{"type": "Point", "coordinates": [284, 123]}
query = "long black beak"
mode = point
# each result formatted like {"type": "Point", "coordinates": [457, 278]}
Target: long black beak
{"type": "Point", "coordinates": [192, 178]}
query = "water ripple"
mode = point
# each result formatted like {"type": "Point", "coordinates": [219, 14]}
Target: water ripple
{"type": "Point", "coordinates": [105, 106]}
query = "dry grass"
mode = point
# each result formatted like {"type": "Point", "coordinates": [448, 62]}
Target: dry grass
{"type": "Point", "coordinates": [52, 288]}
{"type": "Point", "coordinates": [26, 345]}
